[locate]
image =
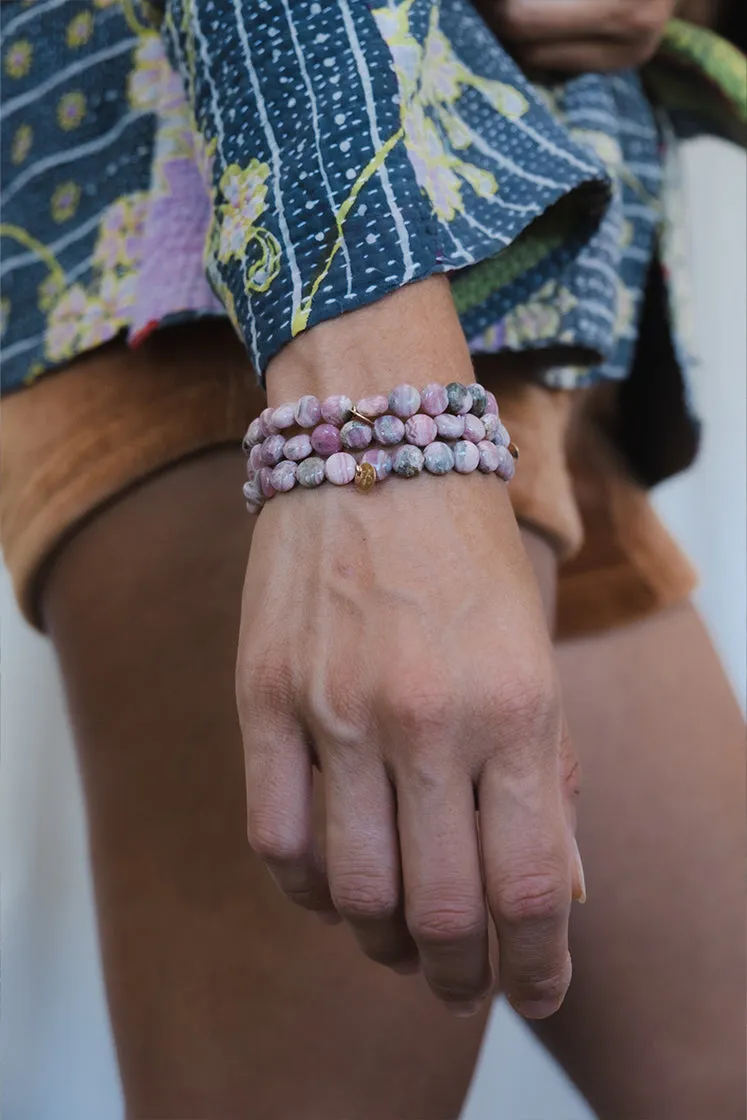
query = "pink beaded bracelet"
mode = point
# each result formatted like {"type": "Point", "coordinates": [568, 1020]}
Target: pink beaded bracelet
{"type": "Point", "coordinates": [410, 427]}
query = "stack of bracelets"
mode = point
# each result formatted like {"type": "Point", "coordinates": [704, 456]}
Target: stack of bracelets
{"type": "Point", "coordinates": [440, 429]}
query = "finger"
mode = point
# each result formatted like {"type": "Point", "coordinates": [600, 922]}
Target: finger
{"type": "Point", "coordinates": [279, 791]}
{"type": "Point", "coordinates": [444, 894]}
{"type": "Point", "coordinates": [527, 859]}
{"type": "Point", "coordinates": [593, 56]}
{"type": "Point", "coordinates": [535, 20]}
{"type": "Point", "coordinates": [569, 772]}
{"type": "Point", "coordinates": [363, 862]}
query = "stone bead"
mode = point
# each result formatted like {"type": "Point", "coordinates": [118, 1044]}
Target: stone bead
{"type": "Point", "coordinates": [298, 447]}
{"type": "Point", "coordinates": [308, 411]}
{"type": "Point", "coordinates": [491, 404]}
{"type": "Point", "coordinates": [434, 399]}
{"type": "Point", "coordinates": [340, 468]}
{"type": "Point", "coordinates": [421, 430]}
{"type": "Point", "coordinates": [501, 437]}
{"type": "Point", "coordinates": [450, 427]}
{"type": "Point", "coordinates": [252, 492]}
{"type": "Point", "coordinates": [389, 430]}
{"type": "Point", "coordinates": [325, 439]}
{"type": "Point", "coordinates": [381, 461]}
{"type": "Point", "coordinates": [439, 458]}
{"type": "Point", "coordinates": [506, 468]}
{"type": "Point", "coordinates": [373, 406]}
{"type": "Point", "coordinates": [356, 435]}
{"type": "Point", "coordinates": [337, 410]}
{"type": "Point", "coordinates": [272, 450]}
{"type": "Point", "coordinates": [479, 398]}
{"type": "Point", "coordinates": [264, 477]}
{"type": "Point", "coordinates": [404, 401]}
{"type": "Point", "coordinates": [489, 456]}
{"type": "Point", "coordinates": [265, 422]}
{"type": "Point", "coordinates": [253, 435]}
{"type": "Point", "coordinates": [284, 417]}
{"type": "Point", "coordinates": [490, 423]}
{"type": "Point", "coordinates": [310, 473]}
{"type": "Point", "coordinates": [474, 429]}
{"type": "Point", "coordinates": [408, 461]}
{"type": "Point", "coordinates": [466, 457]}
{"type": "Point", "coordinates": [284, 476]}
{"type": "Point", "coordinates": [255, 457]}
{"type": "Point", "coordinates": [460, 399]}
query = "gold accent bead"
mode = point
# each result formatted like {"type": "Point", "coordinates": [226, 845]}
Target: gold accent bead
{"type": "Point", "coordinates": [513, 449]}
{"type": "Point", "coordinates": [365, 477]}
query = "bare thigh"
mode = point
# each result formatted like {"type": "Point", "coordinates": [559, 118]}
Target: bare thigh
{"type": "Point", "coordinates": [654, 1024]}
{"type": "Point", "coordinates": [226, 1000]}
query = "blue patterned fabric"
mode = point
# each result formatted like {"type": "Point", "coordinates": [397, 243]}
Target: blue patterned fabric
{"type": "Point", "coordinates": [308, 158]}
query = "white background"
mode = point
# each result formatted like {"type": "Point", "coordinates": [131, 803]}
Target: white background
{"type": "Point", "coordinates": [56, 1048]}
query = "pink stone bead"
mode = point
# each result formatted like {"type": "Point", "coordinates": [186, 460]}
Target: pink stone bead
{"type": "Point", "coordinates": [265, 421]}
{"type": "Point", "coordinates": [252, 492]}
{"type": "Point", "coordinates": [284, 476]}
{"type": "Point", "coordinates": [340, 468]}
{"type": "Point", "coordinates": [265, 482]}
{"type": "Point", "coordinates": [356, 435]}
{"type": "Point", "coordinates": [272, 450]}
{"type": "Point", "coordinates": [490, 424]}
{"type": "Point", "coordinates": [474, 429]}
{"type": "Point", "coordinates": [439, 458]}
{"type": "Point", "coordinates": [404, 401]}
{"type": "Point", "coordinates": [506, 468]}
{"type": "Point", "coordinates": [466, 457]}
{"type": "Point", "coordinates": [255, 457]}
{"type": "Point", "coordinates": [284, 417]}
{"type": "Point", "coordinates": [308, 411]}
{"type": "Point", "coordinates": [325, 439]}
{"type": "Point", "coordinates": [501, 437]}
{"type": "Point", "coordinates": [434, 399]}
{"type": "Point", "coordinates": [450, 427]}
{"type": "Point", "coordinates": [389, 430]}
{"type": "Point", "coordinates": [298, 447]}
{"type": "Point", "coordinates": [381, 461]}
{"type": "Point", "coordinates": [336, 410]}
{"type": "Point", "coordinates": [253, 435]}
{"type": "Point", "coordinates": [489, 457]}
{"type": "Point", "coordinates": [491, 404]}
{"type": "Point", "coordinates": [421, 430]}
{"type": "Point", "coordinates": [372, 406]}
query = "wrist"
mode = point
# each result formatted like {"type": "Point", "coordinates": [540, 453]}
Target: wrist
{"type": "Point", "coordinates": [412, 335]}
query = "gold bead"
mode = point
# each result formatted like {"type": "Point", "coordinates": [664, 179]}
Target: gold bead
{"type": "Point", "coordinates": [513, 449]}
{"type": "Point", "coordinates": [365, 477]}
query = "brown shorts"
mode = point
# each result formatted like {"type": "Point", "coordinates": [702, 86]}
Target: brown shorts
{"type": "Point", "coordinates": [79, 438]}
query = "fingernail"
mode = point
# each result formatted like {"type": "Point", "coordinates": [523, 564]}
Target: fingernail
{"type": "Point", "coordinates": [579, 880]}
{"type": "Point", "coordinates": [328, 917]}
{"type": "Point", "coordinates": [465, 1010]}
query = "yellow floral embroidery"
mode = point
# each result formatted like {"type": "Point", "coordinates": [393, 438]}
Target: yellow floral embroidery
{"type": "Point", "coordinates": [65, 201]}
{"type": "Point", "coordinates": [431, 80]}
{"type": "Point", "coordinates": [242, 194]}
{"type": "Point", "coordinates": [80, 29]}
{"type": "Point", "coordinates": [71, 109]}
{"type": "Point", "coordinates": [18, 59]}
{"type": "Point", "coordinates": [20, 145]}
{"type": "Point", "coordinates": [64, 323]}
{"type": "Point", "coordinates": [120, 232]}
{"type": "Point", "coordinates": [49, 291]}
{"type": "Point", "coordinates": [4, 314]}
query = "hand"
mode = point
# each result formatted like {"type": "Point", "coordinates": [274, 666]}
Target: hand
{"type": "Point", "coordinates": [398, 639]}
{"type": "Point", "coordinates": [579, 35]}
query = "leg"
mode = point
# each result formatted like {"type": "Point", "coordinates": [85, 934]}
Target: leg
{"type": "Point", "coordinates": [226, 1001]}
{"type": "Point", "coordinates": [653, 1027]}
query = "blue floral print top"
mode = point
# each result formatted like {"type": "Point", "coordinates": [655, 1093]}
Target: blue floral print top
{"type": "Point", "coordinates": [285, 161]}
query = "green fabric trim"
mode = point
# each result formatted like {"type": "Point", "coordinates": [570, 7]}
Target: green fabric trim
{"type": "Point", "coordinates": [688, 52]}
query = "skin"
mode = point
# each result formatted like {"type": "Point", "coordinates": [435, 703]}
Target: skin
{"type": "Point", "coordinates": [579, 36]}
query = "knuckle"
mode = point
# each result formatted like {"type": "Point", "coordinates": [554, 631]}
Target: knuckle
{"type": "Point", "coordinates": [528, 702]}
{"type": "Point", "coordinates": [365, 898]}
{"type": "Point", "coordinates": [438, 925]}
{"type": "Point", "coordinates": [536, 897]}
{"type": "Point", "coordinates": [418, 703]}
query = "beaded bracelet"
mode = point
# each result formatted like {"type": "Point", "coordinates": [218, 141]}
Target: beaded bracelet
{"type": "Point", "coordinates": [410, 427]}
